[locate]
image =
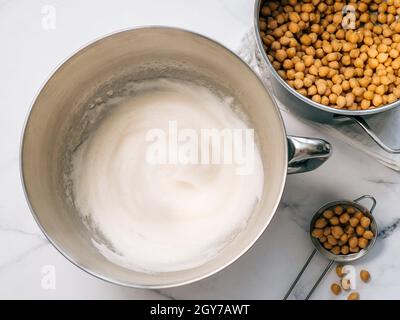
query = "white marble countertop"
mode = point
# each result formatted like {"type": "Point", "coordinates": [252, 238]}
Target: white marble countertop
{"type": "Point", "coordinates": [29, 53]}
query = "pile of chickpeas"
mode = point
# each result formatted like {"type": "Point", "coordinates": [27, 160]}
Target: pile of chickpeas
{"type": "Point", "coordinates": [318, 51]}
{"type": "Point", "coordinates": [343, 230]}
{"type": "Point", "coordinates": [345, 283]}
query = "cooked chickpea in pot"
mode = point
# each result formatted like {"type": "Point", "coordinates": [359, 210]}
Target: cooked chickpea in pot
{"type": "Point", "coordinates": [349, 67]}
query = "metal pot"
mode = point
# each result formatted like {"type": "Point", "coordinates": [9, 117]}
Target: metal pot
{"type": "Point", "coordinates": [56, 126]}
{"type": "Point", "coordinates": [306, 107]}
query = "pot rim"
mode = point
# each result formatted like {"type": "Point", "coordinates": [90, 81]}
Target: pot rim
{"type": "Point", "coordinates": [73, 260]}
{"type": "Point", "coordinates": [257, 5]}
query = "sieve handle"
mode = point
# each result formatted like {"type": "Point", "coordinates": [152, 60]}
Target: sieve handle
{"type": "Point", "coordinates": [299, 275]}
{"type": "Point", "coordinates": [370, 198]}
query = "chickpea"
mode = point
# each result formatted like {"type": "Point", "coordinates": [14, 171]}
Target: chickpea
{"type": "Point", "coordinates": [307, 83]}
{"type": "Point", "coordinates": [334, 221]}
{"type": "Point", "coordinates": [337, 232]}
{"type": "Point", "coordinates": [377, 100]}
{"type": "Point", "coordinates": [328, 214]}
{"type": "Point", "coordinates": [337, 89]}
{"type": "Point", "coordinates": [365, 104]}
{"type": "Point", "coordinates": [335, 250]}
{"type": "Point", "coordinates": [336, 289]}
{"type": "Point", "coordinates": [327, 245]}
{"type": "Point", "coordinates": [353, 242]}
{"type": "Point", "coordinates": [350, 210]}
{"type": "Point", "coordinates": [317, 233]}
{"type": "Point", "coordinates": [355, 249]}
{"type": "Point", "coordinates": [353, 222]}
{"type": "Point", "coordinates": [341, 102]}
{"type": "Point", "coordinates": [323, 72]}
{"type": "Point", "coordinates": [346, 85]}
{"type": "Point", "coordinates": [312, 91]}
{"type": "Point", "coordinates": [360, 230]}
{"type": "Point", "coordinates": [338, 210]}
{"type": "Point", "coordinates": [350, 99]}
{"type": "Point", "coordinates": [358, 91]}
{"type": "Point", "coordinates": [365, 275]}
{"type": "Point", "coordinates": [373, 63]}
{"type": "Point", "coordinates": [354, 296]}
{"type": "Point", "coordinates": [280, 55]}
{"type": "Point", "coordinates": [365, 222]}
{"type": "Point", "coordinates": [358, 214]}
{"type": "Point", "coordinates": [305, 39]}
{"type": "Point", "coordinates": [358, 63]}
{"type": "Point", "coordinates": [344, 218]}
{"type": "Point", "coordinates": [362, 243]}
{"type": "Point", "coordinates": [325, 100]}
{"type": "Point", "coordinates": [382, 57]}
{"type": "Point", "coordinates": [346, 284]}
{"type": "Point", "coordinates": [320, 223]}
{"type": "Point", "coordinates": [316, 98]}
{"type": "Point", "coordinates": [345, 249]}
{"type": "Point", "coordinates": [321, 88]}
{"type": "Point", "coordinates": [327, 231]}
{"type": "Point", "coordinates": [339, 271]}
{"type": "Point", "coordinates": [266, 11]}
{"type": "Point", "coordinates": [369, 95]}
{"type": "Point", "coordinates": [288, 64]}
{"type": "Point", "coordinates": [348, 229]}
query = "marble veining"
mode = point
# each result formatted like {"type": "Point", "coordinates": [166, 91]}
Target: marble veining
{"type": "Point", "coordinates": [388, 230]}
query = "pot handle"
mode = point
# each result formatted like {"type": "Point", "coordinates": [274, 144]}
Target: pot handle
{"type": "Point", "coordinates": [307, 154]}
{"type": "Point", "coordinates": [364, 125]}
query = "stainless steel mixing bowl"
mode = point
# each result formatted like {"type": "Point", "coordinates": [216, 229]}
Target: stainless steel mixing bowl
{"type": "Point", "coordinates": [58, 123]}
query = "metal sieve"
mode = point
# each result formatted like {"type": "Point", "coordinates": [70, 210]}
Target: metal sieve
{"type": "Point", "coordinates": [329, 255]}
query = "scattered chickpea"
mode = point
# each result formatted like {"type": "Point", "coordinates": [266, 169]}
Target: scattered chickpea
{"type": "Point", "coordinates": [339, 271]}
{"type": "Point", "coordinates": [334, 221]}
{"type": "Point", "coordinates": [345, 283]}
{"type": "Point", "coordinates": [354, 296]}
{"type": "Point", "coordinates": [365, 275]}
{"type": "Point", "coordinates": [336, 289]}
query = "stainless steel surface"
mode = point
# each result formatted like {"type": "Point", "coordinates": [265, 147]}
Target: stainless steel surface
{"type": "Point", "coordinates": [329, 265]}
{"type": "Point", "coordinates": [302, 105]}
{"type": "Point", "coordinates": [306, 154]}
{"type": "Point", "coordinates": [58, 123]}
{"type": "Point", "coordinates": [330, 256]}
